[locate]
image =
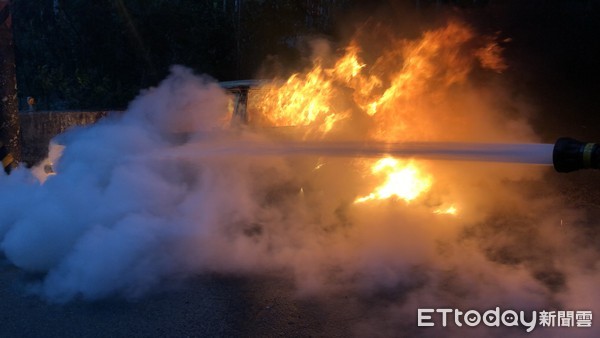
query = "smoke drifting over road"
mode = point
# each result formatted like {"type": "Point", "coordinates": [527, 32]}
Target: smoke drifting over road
{"type": "Point", "coordinates": [124, 216]}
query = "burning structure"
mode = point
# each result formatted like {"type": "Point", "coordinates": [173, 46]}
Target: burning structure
{"type": "Point", "coordinates": [157, 194]}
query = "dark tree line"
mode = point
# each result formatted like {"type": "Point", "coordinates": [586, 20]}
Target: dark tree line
{"type": "Point", "coordinates": [82, 54]}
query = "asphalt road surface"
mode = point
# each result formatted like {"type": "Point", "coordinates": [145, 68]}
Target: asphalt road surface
{"type": "Point", "coordinates": [216, 306]}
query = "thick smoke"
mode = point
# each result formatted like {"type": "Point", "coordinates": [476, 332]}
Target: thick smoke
{"type": "Point", "coordinates": [143, 199]}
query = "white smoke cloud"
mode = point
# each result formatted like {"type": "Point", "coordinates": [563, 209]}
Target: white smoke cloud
{"type": "Point", "coordinates": [110, 222]}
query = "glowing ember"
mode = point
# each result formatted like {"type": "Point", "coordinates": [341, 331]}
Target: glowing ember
{"type": "Point", "coordinates": [319, 166]}
{"type": "Point", "coordinates": [451, 210]}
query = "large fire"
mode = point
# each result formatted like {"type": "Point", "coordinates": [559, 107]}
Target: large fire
{"type": "Point", "coordinates": [395, 95]}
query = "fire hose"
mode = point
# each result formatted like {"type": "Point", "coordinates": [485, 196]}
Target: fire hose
{"type": "Point", "coordinates": [567, 154]}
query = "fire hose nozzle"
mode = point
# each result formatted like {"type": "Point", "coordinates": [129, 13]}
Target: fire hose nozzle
{"type": "Point", "coordinates": [570, 155]}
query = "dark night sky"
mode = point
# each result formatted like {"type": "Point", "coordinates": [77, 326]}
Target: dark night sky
{"type": "Point", "coordinates": [554, 56]}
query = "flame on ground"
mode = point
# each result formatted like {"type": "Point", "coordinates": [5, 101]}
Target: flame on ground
{"type": "Point", "coordinates": [404, 180]}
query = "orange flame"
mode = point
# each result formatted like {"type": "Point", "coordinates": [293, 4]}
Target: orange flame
{"type": "Point", "coordinates": [304, 100]}
{"type": "Point", "coordinates": [391, 94]}
{"type": "Point", "coordinates": [404, 180]}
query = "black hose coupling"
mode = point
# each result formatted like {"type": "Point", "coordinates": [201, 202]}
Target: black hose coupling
{"type": "Point", "coordinates": [570, 155]}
